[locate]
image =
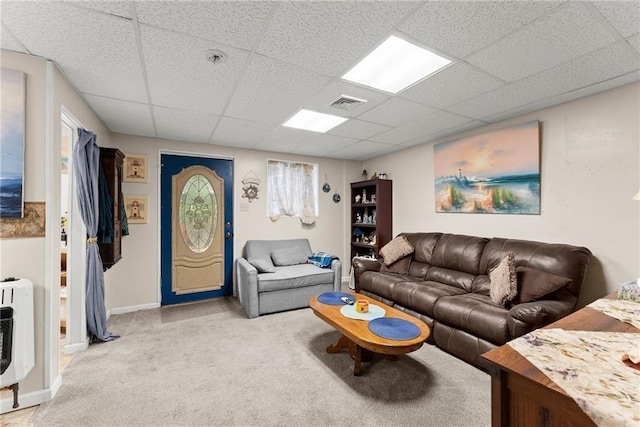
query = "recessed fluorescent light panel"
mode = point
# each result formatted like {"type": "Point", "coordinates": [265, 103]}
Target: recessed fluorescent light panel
{"type": "Point", "coordinates": [395, 65]}
{"type": "Point", "coordinates": [313, 121]}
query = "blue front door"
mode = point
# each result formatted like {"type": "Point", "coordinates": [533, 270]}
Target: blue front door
{"type": "Point", "coordinates": [196, 228]}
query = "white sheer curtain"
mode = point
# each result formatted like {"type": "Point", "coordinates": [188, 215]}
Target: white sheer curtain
{"type": "Point", "coordinates": [292, 190]}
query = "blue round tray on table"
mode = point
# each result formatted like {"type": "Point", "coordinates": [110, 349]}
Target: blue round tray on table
{"type": "Point", "coordinates": [334, 298]}
{"type": "Point", "coordinates": [394, 329]}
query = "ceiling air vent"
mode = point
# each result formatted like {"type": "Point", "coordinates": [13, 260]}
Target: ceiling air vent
{"type": "Point", "coordinates": [348, 103]}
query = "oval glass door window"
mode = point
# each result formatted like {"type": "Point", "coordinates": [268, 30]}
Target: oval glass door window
{"type": "Point", "coordinates": [198, 213]}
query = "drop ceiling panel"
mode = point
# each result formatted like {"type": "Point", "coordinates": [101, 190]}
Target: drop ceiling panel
{"type": "Point", "coordinates": [122, 116]}
{"type": "Point", "coordinates": [623, 16]}
{"type": "Point", "coordinates": [95, 51]}
{"type": "Point", "coordinates": [435, 122]}
{"type": "Point", "coordinates": [271, 91]}
{"type": "Point", "coordinates": [635, 42]}
{"type": "Point", "coordinates": [181, 125]}
{"type": "Point", "coordinates": [362, 150]}
{"type": "Point", "coordinates": [232, 23]}
{"type": "Point", "coordinates": [396, 112]}
{"type": "Point", "coordinates": [451, 86]}
{"type": "Point", "coordinates": [444, 133]}
{"type": "Point", "coordinates": [358, 129]}
{"type": "Point", "coordinates": [180, 76]}
{"type": "Point", "coordinates": [569, 31]}
{"type": "Point", "coordinates": [286, 140]}
{"type": "Point", "coordinates": [566, 97]}
{"type": "Point", "coordinates": [339, 87]}
{"type": "Point", "coordinates": [325, 144]}
{"type": "Point", "coordinates": [117, 8]}
{"type": "Point", "coordinates": [330, 37]}
{"type": "Point", "coordinates": [509, 58]}
{"type": "Point", "coordinates": [239, 133]}
{"type": "Point", "coordinates": [8, 42]}
{"type": "Point", "coordinates": [603, 64]}
{"type": "Point", "coordinates": [459, 28]}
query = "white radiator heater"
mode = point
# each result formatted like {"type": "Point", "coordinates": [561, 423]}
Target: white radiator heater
{"type": "Point", "coordinates": [16, 333]}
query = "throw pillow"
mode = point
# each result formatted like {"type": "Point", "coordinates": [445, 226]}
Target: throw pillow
{"type": "Point", "coordinates": [401, 266]}
{"type": "Point", "coordinates": [396, 249]}
{"type": "Point", "coordinates": [288, 256]}
{"type": "Point", "coordinates": [504, 285]}
{"type": "Point", "coordinates": [262, 265]}
{"type": "Point", "coordinates": [533, 284]}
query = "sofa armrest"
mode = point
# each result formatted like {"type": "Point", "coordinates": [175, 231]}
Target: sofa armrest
{"type": "Point", "coordinates": [247, 277]}
{"type": "Point", "coordinates": [526, 317]}
{"type": "Point", "coordinates": [360, 265]}
{"type": "Point", "coordinates": [336, 267]}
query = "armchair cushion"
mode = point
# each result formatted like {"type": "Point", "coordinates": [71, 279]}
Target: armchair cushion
{"type": "Point", "coordinates": [294, 276]}
{"type": "Point", "coordinates": [262, 265]}
{"type": "Point", "coordinates": [288, 256]}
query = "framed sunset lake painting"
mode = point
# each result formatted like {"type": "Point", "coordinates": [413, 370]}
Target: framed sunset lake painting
{"type": "Point", "coordinates": [12, 123]}
{"type": "Point", "coordinates": [493, 173]}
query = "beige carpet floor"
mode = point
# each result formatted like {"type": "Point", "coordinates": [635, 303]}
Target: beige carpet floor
{"type": "Point", "coordinates": [207, 364]}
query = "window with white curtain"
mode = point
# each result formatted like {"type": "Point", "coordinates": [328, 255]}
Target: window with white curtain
{"type": "Point", "coordinates": [292, 190]}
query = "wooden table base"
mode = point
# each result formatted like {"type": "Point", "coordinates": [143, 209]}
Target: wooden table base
{"type": "Point", "coordinates": [356, 352]}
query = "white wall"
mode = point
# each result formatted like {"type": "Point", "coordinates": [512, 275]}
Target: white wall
{"type": "Point", "coordinates": [589, 173]}
{"type": "Point", "coordinates": [38, 259]}
{"type": "Point", "coordinates": [13, 261]}
{"type": "Point", "coordinates": [134, 281]}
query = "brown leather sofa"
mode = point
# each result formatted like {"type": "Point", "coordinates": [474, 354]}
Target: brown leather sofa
{"type": "Point", "coordinates": [447, 286]}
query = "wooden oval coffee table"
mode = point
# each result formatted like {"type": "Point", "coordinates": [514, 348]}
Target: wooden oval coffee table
{"type": "Point", "coordinates": [358, 339]}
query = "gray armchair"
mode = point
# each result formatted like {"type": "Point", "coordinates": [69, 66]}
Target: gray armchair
{"type": "Point", "coordinates": [273, 275]}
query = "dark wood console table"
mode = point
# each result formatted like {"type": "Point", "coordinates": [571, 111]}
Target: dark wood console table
{"type": "Point", "coordinates": [523, 396]}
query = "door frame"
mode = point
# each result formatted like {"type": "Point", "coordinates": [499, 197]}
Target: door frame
{"type": "Point", "coordinates": [162, 151]}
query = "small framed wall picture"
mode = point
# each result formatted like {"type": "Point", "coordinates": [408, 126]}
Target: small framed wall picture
{"type": "Point", "coordinates": [135, 168]}
{"type": "Point", "coordinates": [136, 208]}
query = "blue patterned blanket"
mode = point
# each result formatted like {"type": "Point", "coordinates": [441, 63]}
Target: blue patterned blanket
{"type": "Point", "coordinates": [322, 259]}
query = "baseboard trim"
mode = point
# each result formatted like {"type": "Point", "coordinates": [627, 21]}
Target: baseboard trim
{"type": "Point", "coordinates": [131, 309]}
{"type": "Point", "coordinates": [34, 398]}
{"type": "Point", "coordinates": [76, 348]}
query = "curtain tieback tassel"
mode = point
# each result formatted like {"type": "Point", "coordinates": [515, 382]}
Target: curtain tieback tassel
{"type": "Point", "coordinates": [92, 240]}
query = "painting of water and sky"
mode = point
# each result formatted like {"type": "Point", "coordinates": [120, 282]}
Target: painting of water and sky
{"type": "Point", "coordinates": [12, 143]}
{"type": "Point", "coordinates": [492, 173]}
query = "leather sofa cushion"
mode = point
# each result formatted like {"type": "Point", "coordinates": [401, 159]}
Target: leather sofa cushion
{"type": "Point", "coordinates": [421, 296]}
{"type": "Point", "coordinates": [450, 277]}
{"type": "Point", "coordinates": [475, 314]}
{"type": "Point", "coordinates": [418, 269]}
{"type": "Point", "coordinates": [459, 252]}
{"type": "Point", "coordinates": [294, 276]}
{"type": "Point", "coordinates": [382, 284]}
{"type": "Point", "coordinates": [423, 244]}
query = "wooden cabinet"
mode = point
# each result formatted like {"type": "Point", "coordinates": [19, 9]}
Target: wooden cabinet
{"type": "Point", "coordinates": [523, 396]}
{"type": "Point", "coordinates": [112, 160]}
{"type": "Point", "coordinates": [371, 216]}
